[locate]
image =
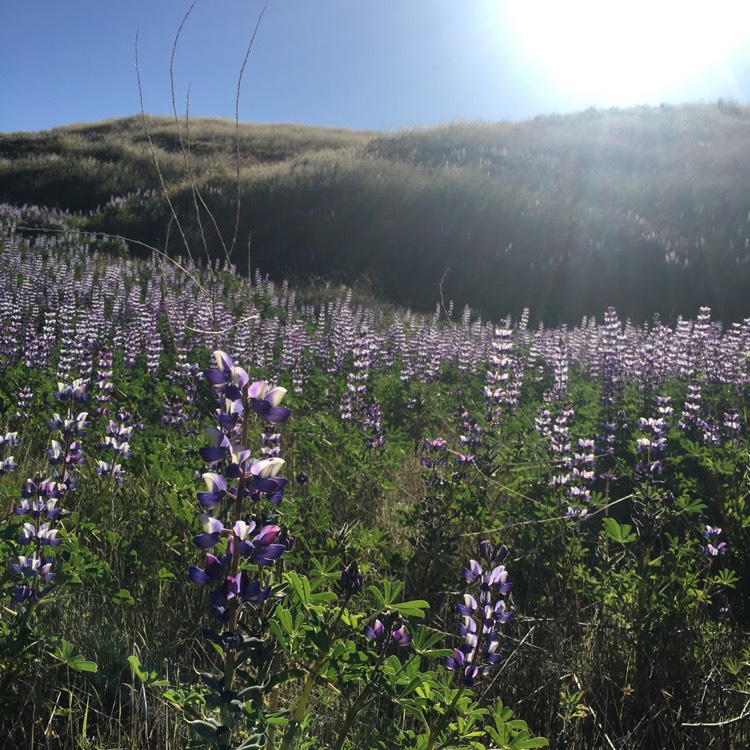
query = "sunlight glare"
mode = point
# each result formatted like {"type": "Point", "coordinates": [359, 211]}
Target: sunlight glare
{"type": "Point", "coordinates": [627, 52]}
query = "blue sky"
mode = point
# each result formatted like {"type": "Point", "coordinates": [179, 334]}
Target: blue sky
{"type": "Point", "coordinates": [364, 64]}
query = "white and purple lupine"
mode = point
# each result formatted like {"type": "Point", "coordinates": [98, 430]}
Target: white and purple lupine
{"type": "Point", "coordinates": [118, 434]}
{"type": "Point", "coordinates": [247, 544]}
{"type": "Point", "coordinates": [714, 547]}
{"type": "Point", "coordinates": [481, 616]}
{"type": "Point", "coordinates": [579, 480]}
{"type": "Point", "coordinates": [651, 447]}
{"type": "Point", "coordinates": [387, 631]}
{"type": "Point", "coordinates": [236, 476]}
{"type": "Point", "coordinates": [67, 452]}
{"type": "Point", "coordinates": [39, 505]}
{"type": "Point", "coordinates": [7, 441]}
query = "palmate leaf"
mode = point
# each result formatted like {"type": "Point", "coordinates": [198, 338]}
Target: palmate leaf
{"type": "Point", "coordinates": [619, 533]}
{"type": "Point", "coordinates": [150, 679]}
{"type": "Point", "coordinates": [66, 655]}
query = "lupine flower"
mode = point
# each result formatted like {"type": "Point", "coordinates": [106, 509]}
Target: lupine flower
{"type": "Point", "coordinates": [351, 579]}
{"type": "Point", "coordinates": [34, 566]}
{"type": "Point", "coordinates": [217, 490]}
{"type": "Point", "coordinates": [213, 529]}
{"type": "Point", "coordinates": [385, 631]}
{"type": "Point", "coordinates": [265, 402]}
{"type": "Point", "coordinates": [236, 590]}
{"type": "Point", "coordinates": [374, 633]}
{"type": "Point", "coordinates": [213, 570]}
{"type": "Point", "coordinates": [8, 464]}
{"type": "Point", "coordinates": [110, 469]}
{"type": "Point", "coordinates": [480, 618]}
{"type": "Point", "coordinates": [75, 391]}
{"type": "Point", "coordinates": [253, 539]}
{"type": "Point", "coordinates": [573, 512]}
{"type": "Point", "coordinates": [261, 549]}
{"type": "Point", "coordinates": [219, 448]}
{"type": "Point", "coordinates": [714, 548]}
{"type": "Point", "coordinates": [226, 372]}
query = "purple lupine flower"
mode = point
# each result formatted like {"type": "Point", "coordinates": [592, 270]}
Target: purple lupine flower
{"type": "Point", "coordinates": [110, 469]}
{"type": "Point", "coordinates": [217, 489]}
{"type": "Point", "coordinates": [351, 580]}
{"type": "Point", "coordinates": [213, 529]}
{"type": "Point", "coordinates": [213, 570]}
{"type": "Point", "coordinates": [714, 547]}
{"type": "Point", "coordinates": [226, 372]}
{"type": "Point", "coordinates": [75, 391]}
{"type": "Point", "coordinates": [262, 548]}
{"type": "Point", "coordinates": [383, 632]}
{"type": "Point", "coordinates": [374, 633]}
{"type": "Point", "coordinates": [265, 402]}
{"type": "Point", "coordinates": [573, 512]}
{"type": "Point", "coordinates": [219, 448]}
{"type": "Point", "coordinates": [400, 635]}
{"type": "Point", "coordinates": [478, 626]}
{"type": "Point", "coordinates": [253, 539]}
{"type": "Point", "coordinates": [241, 587]}
{"type": "Point", "coordinates": [34, 566]}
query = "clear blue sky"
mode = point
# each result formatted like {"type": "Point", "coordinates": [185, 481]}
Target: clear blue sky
{"type": "Point", "coordinates": [367, 64]}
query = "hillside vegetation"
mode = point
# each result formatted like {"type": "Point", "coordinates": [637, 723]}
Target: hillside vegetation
{"type": "Point", "coordinates": [643, 209]}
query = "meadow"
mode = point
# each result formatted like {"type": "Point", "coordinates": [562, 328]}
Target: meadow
{"type": "Point", "coordinates": [242, 515]}
{"type": "Point", "coordinates": [641, 209]}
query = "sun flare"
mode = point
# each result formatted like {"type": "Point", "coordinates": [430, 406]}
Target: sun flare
{"type": "Point", "coordinates": [628, 52]}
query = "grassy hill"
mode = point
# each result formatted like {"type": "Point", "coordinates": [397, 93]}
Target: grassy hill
{"type": "Point", "coordinates": [643, 209]}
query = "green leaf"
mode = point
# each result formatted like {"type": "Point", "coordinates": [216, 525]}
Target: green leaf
{"type": "Point", "coordinates": [727, 578]}
{"type": "Point", "coordinates": [284, 618]}
{"type": "Point", "coordinates": [123, 597]}
{"type": "Point", "coordinates": [278, 634]}
{"type": "Point", "coordinates": [255, 742]}
{"type": "Point", "coordinates": [82, 665]}
{"type": "Point", "coordinates": [413, 608]}
{"type": "Point", "coordinates": [207, 729]}
{"type": "Point", "coordinates": [301, 587]}
{"type": "Point", "coordinates": [66, 655]}
{"type": "Point", "coordinates": [135, 665]}
{"type": "Point", "coordinates": [619, 533]}
{"type": "Point", "coordinates": [284, 676]}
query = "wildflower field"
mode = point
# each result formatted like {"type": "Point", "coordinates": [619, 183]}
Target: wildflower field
{"type": "Point", "coordinates": [239, 515]}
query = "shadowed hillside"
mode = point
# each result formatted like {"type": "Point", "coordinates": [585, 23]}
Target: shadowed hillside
{"type": "Point", "coordinates": [642, 209]}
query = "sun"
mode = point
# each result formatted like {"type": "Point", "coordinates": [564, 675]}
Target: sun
{"type": "Point", "coordinates": [620, 53]}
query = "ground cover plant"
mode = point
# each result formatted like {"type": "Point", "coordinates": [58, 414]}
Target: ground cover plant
{"type": "Point", "coordinates": [238, 515]}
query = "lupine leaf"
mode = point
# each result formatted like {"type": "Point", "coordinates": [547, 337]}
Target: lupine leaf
{"type": "Point", "coordinates": [412, 608]}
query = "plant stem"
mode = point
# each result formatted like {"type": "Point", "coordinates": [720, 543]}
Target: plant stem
{"type": "Point", "coordinates": [230, 662]}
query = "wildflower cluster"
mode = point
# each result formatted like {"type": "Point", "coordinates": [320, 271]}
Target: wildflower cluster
{"type": "Point", "coordinates": [39, 506]}
{"type": "Point", "coordinates": [579, 479]}
{"type": "Point", "coordinates": [7, 441]}
{"type": "Point", "coordinates": [714, 547]}
{"type": "Point", "coordinates": [386, 631]}
{"type": "Point", "coordinates": [67, 452]}
{"type": "Point", "coordinates": [250, 539]}
{"type": "Point", "coordinates": [652, 445]}
{"type": "Point", "coordinates": [502, 382]}
{"type": "Point", "coordinates": [118, 434]}
{"type": "Point", "coordinates": [481, 618]}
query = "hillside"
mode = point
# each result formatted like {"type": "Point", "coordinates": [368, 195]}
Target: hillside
{"type": "Point", "coordinates": [642, 209]}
